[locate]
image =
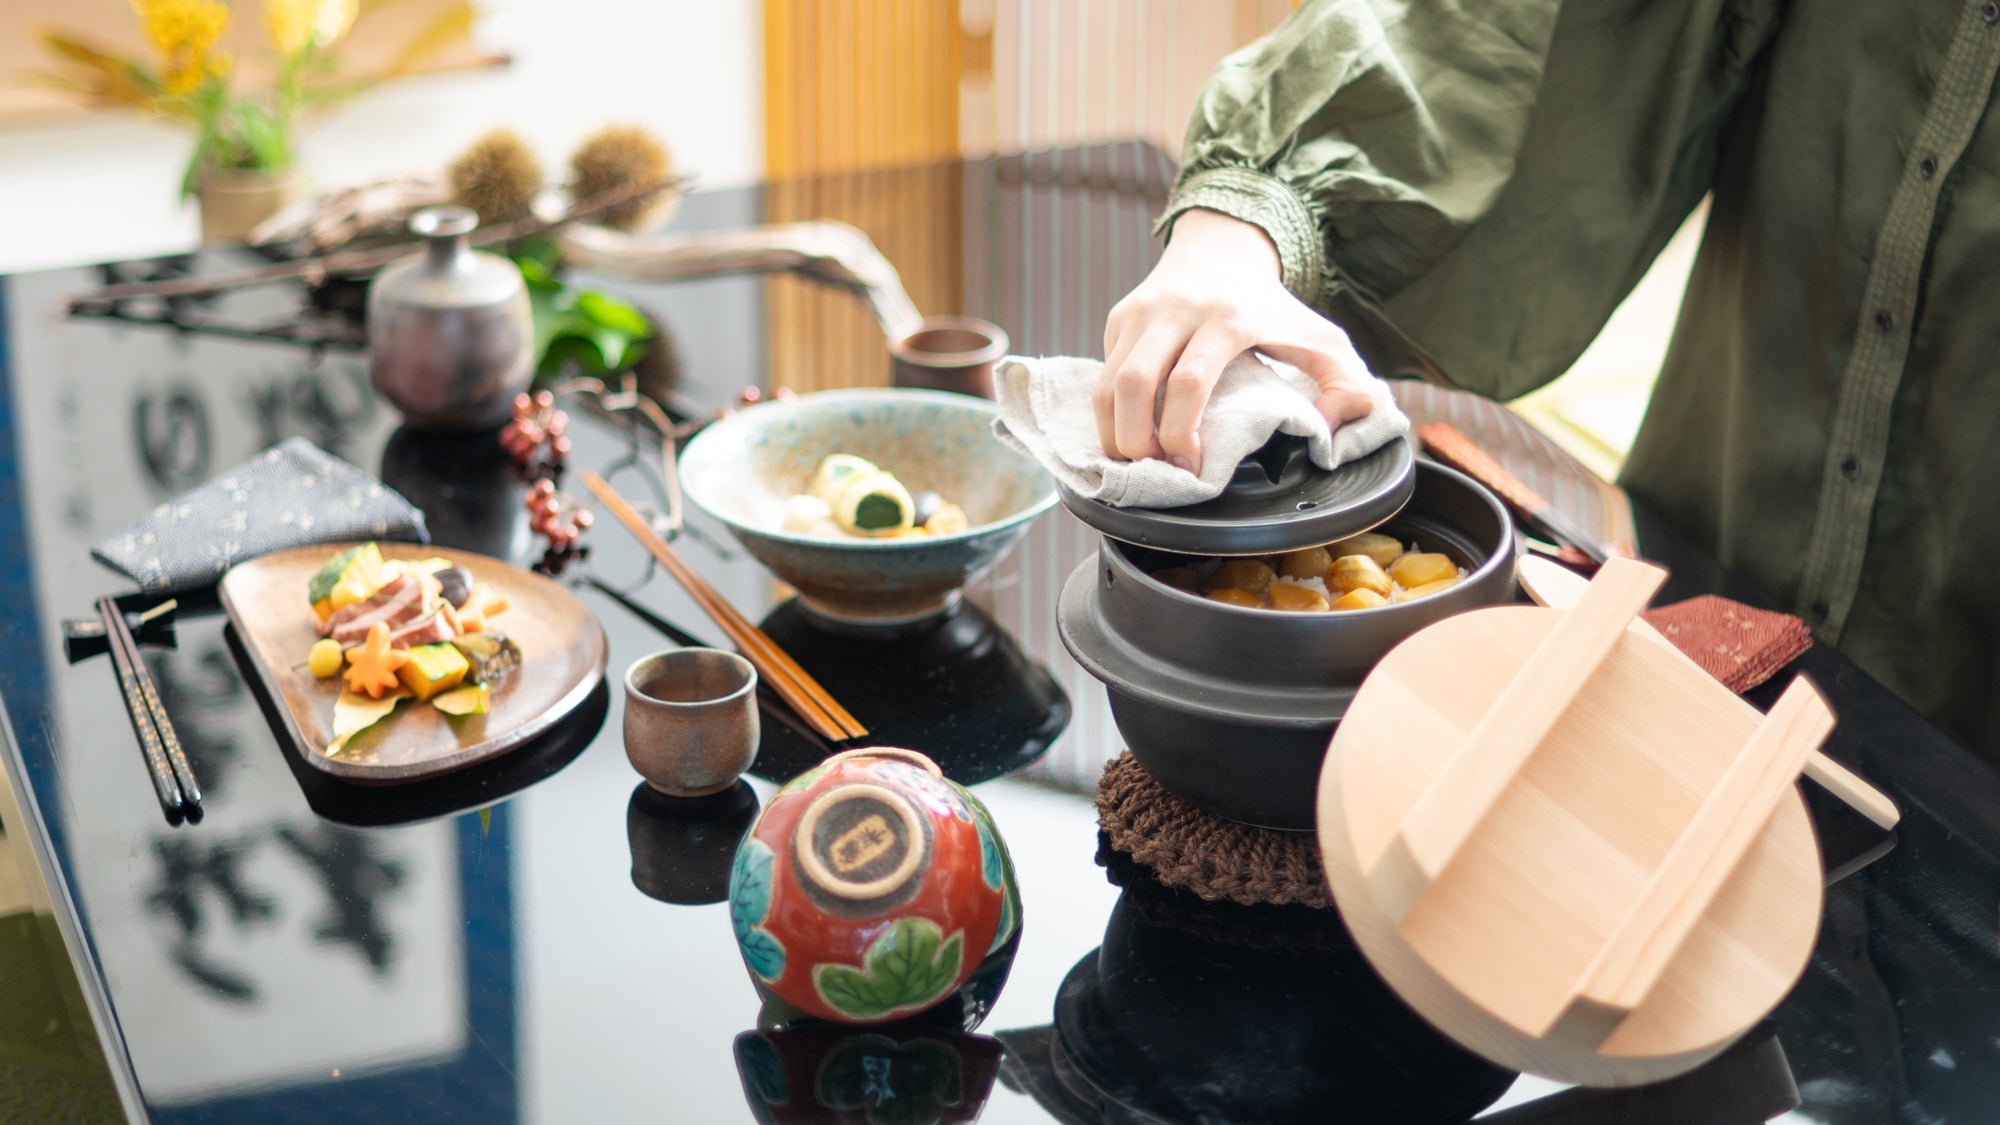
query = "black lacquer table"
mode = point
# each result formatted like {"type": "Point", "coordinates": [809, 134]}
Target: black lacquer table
{"type": "Point", "coordinates": [541, 939]}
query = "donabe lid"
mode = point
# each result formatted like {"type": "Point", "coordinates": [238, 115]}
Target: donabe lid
{"type": "Point", "coordinates": [1278, 500]}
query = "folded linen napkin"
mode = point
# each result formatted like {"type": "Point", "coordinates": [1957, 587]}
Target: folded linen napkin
{"type": "Point", "coordinates": [1046, 413]}
{"type": "Point", "coordinates": [293, 494]}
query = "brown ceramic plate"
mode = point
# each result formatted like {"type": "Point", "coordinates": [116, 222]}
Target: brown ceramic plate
{"type": "Point", "coordinates": [562, 658]}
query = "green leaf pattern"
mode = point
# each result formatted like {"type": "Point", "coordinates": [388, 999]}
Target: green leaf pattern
{"type": "Point", "coordinates": [749, 902]}
{"type": "Point", "coordinates": [910, 966]}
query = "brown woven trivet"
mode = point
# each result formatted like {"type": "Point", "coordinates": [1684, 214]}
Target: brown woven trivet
{"type": "Point", "coordinates": [1216, 859]}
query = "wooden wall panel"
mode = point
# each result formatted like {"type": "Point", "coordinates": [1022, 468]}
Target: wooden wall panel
{"type": "Point", "coordinates": [854, 87]}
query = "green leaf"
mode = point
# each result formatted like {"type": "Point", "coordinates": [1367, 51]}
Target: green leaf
{"type": "Point", "coordinates": [610, 313]}
{"type": "Point", "coordinates": [485, 820]}
{"type": "Point", "coordinates": [910, 966]}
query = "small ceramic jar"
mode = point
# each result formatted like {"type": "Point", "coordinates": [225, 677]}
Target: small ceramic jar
{"type": "Point", "coordinates": [871, 888]}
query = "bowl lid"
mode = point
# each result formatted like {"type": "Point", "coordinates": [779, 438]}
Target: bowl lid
{"type": "Point", "coordinates": [1278, 500]}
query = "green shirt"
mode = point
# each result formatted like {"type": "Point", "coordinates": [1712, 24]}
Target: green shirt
{"type": "Point", "coordinates": [1470, 189]}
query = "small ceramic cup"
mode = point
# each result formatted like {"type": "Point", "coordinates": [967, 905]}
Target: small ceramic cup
{"type": "Point", "coordinates": [691, 719]}
{"type": "Point", "coordinates": [948, 353]}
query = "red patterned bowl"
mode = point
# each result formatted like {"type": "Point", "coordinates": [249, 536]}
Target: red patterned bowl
{"type": "Point", "coordinates": [871, 888]}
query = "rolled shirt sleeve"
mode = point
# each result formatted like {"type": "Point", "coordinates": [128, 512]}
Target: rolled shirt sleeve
{"type": "Point", "coordinates": [1470, 188]}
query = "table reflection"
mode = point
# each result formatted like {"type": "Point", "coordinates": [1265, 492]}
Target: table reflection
{"type": "Point", "coordinates": [956, 686]}
{"type": "Point", "coordinates": [1196, 1011]}
{"type": "Point", "coordinates": [682, 846]}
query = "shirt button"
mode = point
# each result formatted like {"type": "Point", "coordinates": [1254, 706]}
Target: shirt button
{"type": "Point", "coordinates": [1989, 11]}
{"type": "Point", "coordinates": [1850, 466]}
{"type": "Point", "coordinates": [1928, 167]}
{"type": "Point", "coordinates": [1884, 322]}
{"type": "Point", "coordinates": [1820, 609]}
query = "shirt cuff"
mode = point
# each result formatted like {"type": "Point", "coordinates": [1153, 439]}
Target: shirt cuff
{"type": "Point", "coordinates": [1267, 202]}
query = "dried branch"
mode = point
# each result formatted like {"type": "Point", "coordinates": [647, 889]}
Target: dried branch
{"type": "Point", "coordinates": [316, 270]}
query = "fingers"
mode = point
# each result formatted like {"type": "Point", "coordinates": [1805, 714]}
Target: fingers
{"type": "Point", "coordinates": [1188, 387]}
{"type": "Point", "coordinates": [1136, 389]}
{"type": "Point", "coordinates": [1329, 360]}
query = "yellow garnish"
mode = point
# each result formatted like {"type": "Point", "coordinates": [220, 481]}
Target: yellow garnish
{"type": "Point", "coordinates": [325, 658]}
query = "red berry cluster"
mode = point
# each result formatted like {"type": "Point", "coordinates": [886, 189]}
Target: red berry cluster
{"type": "Point", "coordinates": [538, 437]}
{"type": "Point", "coordinates": [554, 516]}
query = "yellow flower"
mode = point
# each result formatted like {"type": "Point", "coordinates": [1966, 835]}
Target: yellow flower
{"type": "Point", "coordinates": [183, 33]}
{"type": "Point", "coordinates": [292, 24]}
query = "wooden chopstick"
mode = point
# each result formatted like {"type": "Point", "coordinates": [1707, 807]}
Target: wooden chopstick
{"type": "Point", "coordinates": [1443, 441]}
{"type": "Point", "coordinates": [792, 683]}
{"type": "Point", "coordinates": [173, 779]}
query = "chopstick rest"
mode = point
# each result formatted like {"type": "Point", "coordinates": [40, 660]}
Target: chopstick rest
{"type": "Point", "coordinates": [85, 637]}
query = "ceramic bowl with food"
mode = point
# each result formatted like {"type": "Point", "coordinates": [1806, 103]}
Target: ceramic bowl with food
{"type": "Point", "coordinates": [745, 470]}
{"type": "Point", "coordinates": [1233, 707]}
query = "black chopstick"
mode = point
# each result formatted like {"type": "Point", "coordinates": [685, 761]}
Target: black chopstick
{"type": "Point", "coordinates": [173, 778]}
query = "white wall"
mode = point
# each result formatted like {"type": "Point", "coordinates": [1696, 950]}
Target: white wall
{"type": "Point", "coordinates": [102, 187]}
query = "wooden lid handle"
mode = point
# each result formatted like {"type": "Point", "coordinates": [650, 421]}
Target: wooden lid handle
{"type": "Point", "coordinates": [1559, 588]}
{"type": "Point", "coordinates": [1701, 859]}
{"type": "Point", "coordinates": [1496, 749]}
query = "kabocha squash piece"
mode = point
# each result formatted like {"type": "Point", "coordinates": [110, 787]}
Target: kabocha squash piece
{"type": "Point", "coordinates": [1307, 562]}
{"type": "Point", "coordinates": [1427, 589]}
{"type": "Point", "coordinates": [325, 658]}
{"type": "Point", "coordinates": [1358, 572]}
{"type": "Point", "coordinates": [1229, 595]}
{"type": "Point", "coordinates": [1179, 577]}
{"type": "Point", "coordinates": [830, 480]}
{"type": "Point", "coordinates": [875, 505]}
{"type": "Point", "coordinates": [1252, 576]}
{"type": "Point", "coordinates": [1382, 548]}
{"type": "Point", "coordinates": [358, 573]}
{"type": "Point", "coordinates": [372, 668]}
{"type": "Point", "coordinates": [1359, 598]}
{"type": "Point", "coordinates": [432, 669]}
{"type": "Point", "coordinates": [466, 699]}
{"type": "Point", "coordinates": [1296, 599]}
{"type": "Point", "coordinates": [1422, 569]}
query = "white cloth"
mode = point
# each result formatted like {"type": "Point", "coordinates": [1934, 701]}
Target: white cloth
{"type": "Point", "coordinates": [1046, 413]}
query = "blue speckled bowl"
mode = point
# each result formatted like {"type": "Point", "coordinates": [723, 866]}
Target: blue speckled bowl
{"type": "Point", "coordinates": [743, 469]}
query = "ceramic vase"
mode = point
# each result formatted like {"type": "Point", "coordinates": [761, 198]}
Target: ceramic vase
{"type": "Point", "coordinates": [450, 335]}
{"type": "Point", "coordinates": [871, 888]}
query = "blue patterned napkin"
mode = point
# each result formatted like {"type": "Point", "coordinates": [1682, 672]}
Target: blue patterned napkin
{"type": "Point", "coordinates": [293, 494]}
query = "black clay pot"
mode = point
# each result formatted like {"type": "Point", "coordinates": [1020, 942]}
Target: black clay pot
{"type": "Point", "coordinates": [1233, 708]}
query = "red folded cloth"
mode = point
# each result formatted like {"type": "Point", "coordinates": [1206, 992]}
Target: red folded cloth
{"type": "Point", "coordinates": [1738, 645]}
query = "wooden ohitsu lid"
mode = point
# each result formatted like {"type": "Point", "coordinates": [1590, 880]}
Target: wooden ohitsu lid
{"type": "Point", "coordinates": [1567, 846]}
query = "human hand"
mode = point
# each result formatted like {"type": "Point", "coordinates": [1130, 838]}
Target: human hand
{"type": "Point", "coordinates": [1215, 293]}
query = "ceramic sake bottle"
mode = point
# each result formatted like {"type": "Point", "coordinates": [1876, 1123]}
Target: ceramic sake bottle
{"type": "Point", "coordinates": [450, 337]}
